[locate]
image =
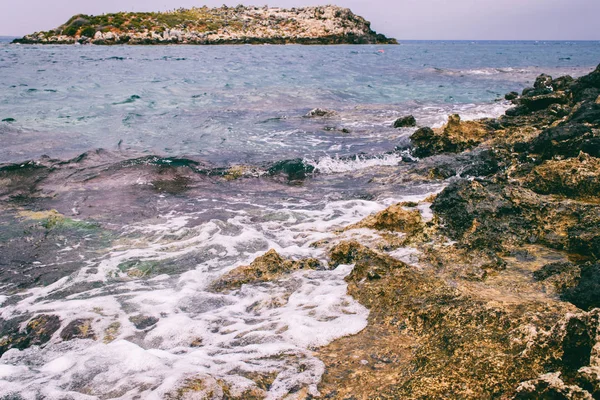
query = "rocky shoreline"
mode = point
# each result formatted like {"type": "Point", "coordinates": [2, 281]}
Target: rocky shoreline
{"type": "Point", "coordinates": [504, 299]}
{"type": "Point", "coordinates": [214, 26]}
{"type": "Point", "coordinates": [503, 302]}
{"type": "Point", "coordinates": [500, 296]}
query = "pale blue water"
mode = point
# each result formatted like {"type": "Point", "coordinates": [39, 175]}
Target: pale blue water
{"type": "Point", "coordinates": [236, 104]}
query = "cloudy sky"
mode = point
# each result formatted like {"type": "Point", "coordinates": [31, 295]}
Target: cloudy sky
{"type": "Point", "coordinates": [403, 19]}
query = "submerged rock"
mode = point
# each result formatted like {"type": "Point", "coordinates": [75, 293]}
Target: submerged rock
{"type": "Point", "coordinates": [78, 329]}
{"type": "Point", "coordinates": [143, 321]}
{"type": "Point", "coordinates": [320, 112]}
{"type": "Point", "coordinates": [38, 331]}
{"type": "Point", "coordinates": [294, 170]}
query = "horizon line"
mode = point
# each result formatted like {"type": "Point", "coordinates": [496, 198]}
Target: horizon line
{"type": "Point", "coordinates": [441, 40]}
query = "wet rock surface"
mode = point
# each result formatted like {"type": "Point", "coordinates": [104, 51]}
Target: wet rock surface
{"type": "Point", "coordinates": [405, 122]}
{"type": "Point", "coordinates": [265, 268]}
{"type": "Point", "coordinates": [503, 300]}
{"type": "Point", "coordinates": [37, 331]}
{"type": "Point", "coordinates": [78, 329]}
{"type": "Point", "coordinates": [395, 218]}
{"type": "Point", "coordinates": [454, 137]}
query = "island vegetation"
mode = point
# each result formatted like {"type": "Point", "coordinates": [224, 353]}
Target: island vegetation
{"type": "Point", "coordinates": [223, 25]}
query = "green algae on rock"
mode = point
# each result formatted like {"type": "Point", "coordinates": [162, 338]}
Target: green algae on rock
{"type": "Point", "coordinates": [223, 25]}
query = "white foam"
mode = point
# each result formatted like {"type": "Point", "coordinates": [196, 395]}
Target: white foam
{"type": "Point", "coordinates": [328, 165]}
{"type": "Point", "coordinates": [269, 327]}
{"type": "Point", "coordinates": [193, 332]}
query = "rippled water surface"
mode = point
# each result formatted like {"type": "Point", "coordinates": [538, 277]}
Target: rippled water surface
{"type": "Point", "coordinates": [244, 103]}
{"type": "Point", "coordinates": [120, 207]}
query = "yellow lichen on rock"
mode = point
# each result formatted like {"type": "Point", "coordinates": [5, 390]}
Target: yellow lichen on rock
{"type": "Point", "coordinates": [235, 172]}
{"type": "Point", "coordinates": [454, 137]}
{"type": "Point", "coordinates": [425, 334]}
{"type": "Point", "coordinates": [52, 218]}
{"type": "Point", "coordinates": [577, 177]}
{"type": "Point", "coordinates": [464, 131]}
{"type": "Point", "coordinates": [395, 218]}
{"type": "Point", "coordinates": [268, 267]}
{"type": "Point", "coordinates": [111, 332]}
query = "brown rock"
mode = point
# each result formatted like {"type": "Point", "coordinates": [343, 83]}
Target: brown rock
{"type": "Point", "coordinates": [577, 177]}
{"type": "Point", "coordinates": [268, 267]}
{"type": "Point", "coordinates": [395, 218]}
{"type": "Point", "coordinates": [426, 335]}
{"type": "Point", "coordinates": [456, 136]}
{"type": "Point", "coordinates": [405, 122]}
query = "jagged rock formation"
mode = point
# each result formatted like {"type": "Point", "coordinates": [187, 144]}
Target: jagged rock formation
{"type": "Point", "coordinates": [267, 267]}
{"type": "Point", "coordinates": [504, 301]}
{"type": "Point", "coordinates": [224, 25]}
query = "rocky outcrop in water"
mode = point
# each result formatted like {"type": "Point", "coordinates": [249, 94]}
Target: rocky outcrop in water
{"type": "Point", "coordinates": [224, 25]}
{"type": "Point", "coordinates": [268, 267]}
{"type": "Point", "coordinates": [454, 137]}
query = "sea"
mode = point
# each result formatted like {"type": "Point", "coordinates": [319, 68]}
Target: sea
{"type": "Point", "coordinates": [133, 178]}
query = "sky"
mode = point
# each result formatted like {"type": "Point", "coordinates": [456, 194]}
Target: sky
{"type": "Point", "coordinates": [402, 19]}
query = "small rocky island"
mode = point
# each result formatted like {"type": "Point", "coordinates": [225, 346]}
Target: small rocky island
{"type": "Point", "coordinates": [224, 25]}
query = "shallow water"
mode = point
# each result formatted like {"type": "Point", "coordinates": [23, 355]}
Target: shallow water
{"type": "Point", "coordinates": [149, 223]}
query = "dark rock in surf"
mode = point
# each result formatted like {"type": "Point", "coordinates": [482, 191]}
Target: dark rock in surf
{"type": "Point", "coordinates": [78, 329]}
{"type": "Point", "coordinates": [38, 331]}
{"type": "Point", "coordinates": [543, 82]}
{"type": "Point", "coordinates": [143, 321]}
{"type": "Point", "coordinates": [295, 169]}
{"type": "Point", "coordinates": [405, 122]}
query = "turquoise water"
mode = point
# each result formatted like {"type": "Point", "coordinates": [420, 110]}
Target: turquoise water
{"type": "Point", "coordinates": [237, 104]}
